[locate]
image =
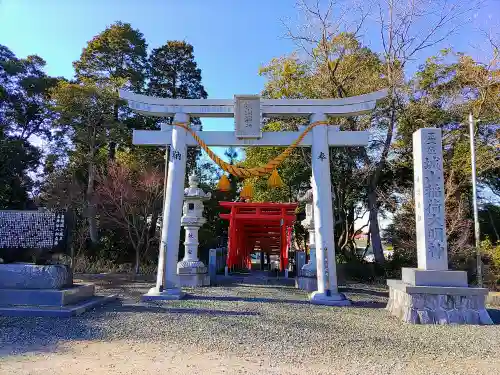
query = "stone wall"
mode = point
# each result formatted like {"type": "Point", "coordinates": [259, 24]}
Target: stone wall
{"type": "Point", "coordinates": [420, 308]}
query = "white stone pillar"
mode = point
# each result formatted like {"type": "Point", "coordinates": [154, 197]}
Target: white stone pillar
{"type": "Point", "coordinates": [191, 243]}
{"type": "Point", "coordinates": [432, 253]}
{"type": "Point", "coordinates": [323, 218]}
{"type": "Point", "coordinates": [167, 281]}
{"type": "Point", "coordinates": [429, 199]}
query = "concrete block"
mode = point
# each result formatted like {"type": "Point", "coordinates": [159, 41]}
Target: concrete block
{"type": "Point", "coordinates": [418, 277]}
{"type": "Point", "coordinates": [166, 295]}
{"type": "Point", "coordinates": [46, 297]}
{"type": "Point", "coordinates": [462, 291]}
{"type": "Point", "coordinates": [437, 305]}
{"type": "Point", "coordinates": [337, 299]}
{"type": "Point", "coordinates": [57, 312]}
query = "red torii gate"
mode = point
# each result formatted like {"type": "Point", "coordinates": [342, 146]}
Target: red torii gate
{"type": "Point", "coordinates": [268, 225]}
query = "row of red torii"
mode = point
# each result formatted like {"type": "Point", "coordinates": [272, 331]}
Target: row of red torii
{"type": "Point", "coordinates": [248, 111]}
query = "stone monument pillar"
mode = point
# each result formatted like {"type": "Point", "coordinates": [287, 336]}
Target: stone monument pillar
{"type": "Point", "coordinates": [192, 272]}
{"type": "Point", "coordinates": [307, 277]}
{"type": "Point", "coordinates": [432, 294]}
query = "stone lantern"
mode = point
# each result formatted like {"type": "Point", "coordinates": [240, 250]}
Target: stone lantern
{"type": "Point", "coordinates": [307, 274]}
{"type": "Point", "coordinates": [191, 271]}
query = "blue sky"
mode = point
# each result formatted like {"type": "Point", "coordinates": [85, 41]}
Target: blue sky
{"type": "Point", "coordinates": [232, 39]}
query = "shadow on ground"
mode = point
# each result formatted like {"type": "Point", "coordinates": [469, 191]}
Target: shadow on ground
{"type": "Point", "coordinates": [43, 335]}
{"type": "Point", "coordinates": [163, 308]}
{"type": "Point", "coordinates": [494, 315]}
{"type": "Point", "coordinates": [368, 291]}
{"type": "Point", "coordinates": [247, 299]}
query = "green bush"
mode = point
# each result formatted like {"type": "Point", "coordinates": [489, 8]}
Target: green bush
{"type": "Point", "coordinates": [490, 254]}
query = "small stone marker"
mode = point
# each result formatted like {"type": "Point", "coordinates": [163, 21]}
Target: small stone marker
{"type": "Point", "coordinates": [212, 263]}
{"type": "Point", "coordinates": [301, 260]}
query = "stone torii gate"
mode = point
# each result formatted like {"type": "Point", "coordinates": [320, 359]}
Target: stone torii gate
{"type": "Point", "coordinates": [248, 111]}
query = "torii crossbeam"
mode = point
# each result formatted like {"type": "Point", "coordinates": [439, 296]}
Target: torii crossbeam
{"type": "Point", "coordinates": [248, 111]}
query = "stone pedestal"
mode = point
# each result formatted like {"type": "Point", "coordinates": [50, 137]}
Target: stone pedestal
{"type": "Point", "coordinates": [329, 299]}
{"type": "Point", "coordinates": [417, 277]}
{"type": "Point", "coordinates": [192, 274]}
{"type": "Point", "coordinates": [437, 305]}
{"type": "Point", "coordinates": [432, 294]}
{"type": "Point", "coordinates": [35, 290]}
{"type": "Point", "coordinates": [164, 295]}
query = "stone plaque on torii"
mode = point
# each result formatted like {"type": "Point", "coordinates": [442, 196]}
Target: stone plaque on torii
{"type": "Point", "coordinates": [248, 111]}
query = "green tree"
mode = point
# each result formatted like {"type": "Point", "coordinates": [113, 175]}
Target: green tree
{"type": "Point", "coordinates": [85, 118]}
{"type": "Point", "coordinates": [442, 98]}
{"type": "Point", "coordinates": [339, 67]}
{"type": "Point", "coordinates": [24, 112]}
{"type": "Point", "coordinates": [174, 73]}
{"type": "Point", "coordinates": [116, 57]}
{"type": "Point", "coordinates": [18, 158]}
{"type": "Point", "coordinates": [24, 95]}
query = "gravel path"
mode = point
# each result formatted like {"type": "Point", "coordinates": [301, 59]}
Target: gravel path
{"type": "Point", "coordinates": [243, 329]}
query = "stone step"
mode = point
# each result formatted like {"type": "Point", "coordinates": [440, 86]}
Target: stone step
{"type": "Point", "coordinates": [56, 311]}
{"type": "Point", "coordinates": [46, 297]}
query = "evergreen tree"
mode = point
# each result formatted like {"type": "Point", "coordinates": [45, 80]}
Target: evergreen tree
{"type": "Point", "coordinates": [174, 74]}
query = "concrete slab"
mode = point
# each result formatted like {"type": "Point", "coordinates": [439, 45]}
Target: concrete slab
{"type": "Point", "coordinates": [46, 297]}
{"type": "Point", "coordinates": [337, 299]}
{"type": "Point", "coordinates": [418, 277]}
{"type": "Point", "coordinates": [57, 312]}
{"type": "Point", "coordinates": [412, 289]}
{"type": "Point", "coordinates": [166, 295]}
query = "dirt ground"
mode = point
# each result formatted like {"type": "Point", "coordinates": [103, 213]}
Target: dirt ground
{"type": "Point", "coordinates": [229, 330]}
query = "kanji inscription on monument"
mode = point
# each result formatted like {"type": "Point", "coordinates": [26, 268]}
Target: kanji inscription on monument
{"type": "Point", "coordinates": [429, 199]}
{"type": "Point", "coordinates": [247, 116]}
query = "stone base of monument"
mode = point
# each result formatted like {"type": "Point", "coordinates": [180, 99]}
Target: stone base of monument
{"type": "Point", "coordinates": [168, 294]}
{"type": "Point", "coordinates": [418, 277]}
{"type": "Point", "coordinates": [35, 290]}
{"type": "Point", "coordinates": [194, 280]}
{"type": "Point", "coordinates": [334, 299]}
{"type": "Point", "coordinates": [419, 304]}
{"type": "Point", "coordinates": [192, 274]}
{"type": "Point", "coordinates": [309, 284]}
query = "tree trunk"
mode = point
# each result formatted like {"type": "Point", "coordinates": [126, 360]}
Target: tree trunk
{"type": "Point", "coordinates": [154, 221]}
{"type": "Point", "coordinates": [376, 241]}
{"type": "Point", "coordinates": [137, 260]}
{"type": "Point", "coordinates": [492, 222]}
{"type": "Point", "coordinates": [112, 144]}
{"type": "Point", "coordinates": [91, 206]}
